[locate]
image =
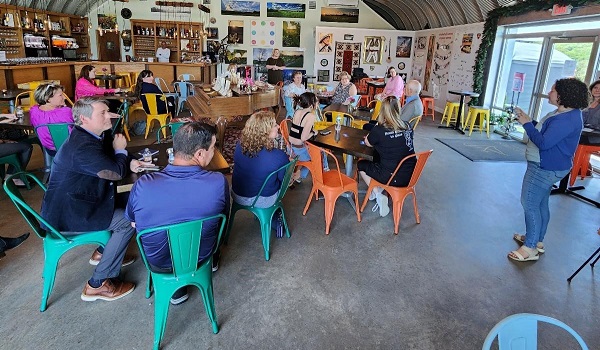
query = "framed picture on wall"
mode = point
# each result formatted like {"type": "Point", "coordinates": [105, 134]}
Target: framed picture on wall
{"type": "Point", "coordinates": [323, 76]}
{"type": "Point", "coordinates": [373, 49]}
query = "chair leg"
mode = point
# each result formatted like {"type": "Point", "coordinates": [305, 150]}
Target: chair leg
{"type": "Point", "coordinates": [416, 208]}
{"type": "Point", "coordinates": [356, 205]}
{"type": "Point", "coordinates": [209, 305]}
{"type": "Point", "coordinates": [161, 312]}
{"type": "Point", "coordinates": [49, 275]}
{"type": "Point", "coordinates": [265, 230]}
{"type": "Point", "coordinates": [234, 209]}
{"type": "Point", "coordinates": [285, 225]}
{"type": "Point", "coordinates": [313, 191]}
{"type": "Point", "coordinates": [148, 124]}
{"type": "Point", "coordinates": [329, 209]}
{"type": "Point", "coordinates": [366, 199]}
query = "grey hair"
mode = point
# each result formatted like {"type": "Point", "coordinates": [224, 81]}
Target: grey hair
{"type": "Point", "coordinates": [414, 86]}
{"type": "Point", "coordinates": [345, 74]}
{"type": "Point", "coordinates": [192, 137]}
{"type": "Point", "coordinates": [45, 91]}
{"type": "Point", "coordinates": [84, 108]}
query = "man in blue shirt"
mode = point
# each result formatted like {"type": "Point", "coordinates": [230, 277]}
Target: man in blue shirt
{"type": "Point", "coordinates": [183, 191]}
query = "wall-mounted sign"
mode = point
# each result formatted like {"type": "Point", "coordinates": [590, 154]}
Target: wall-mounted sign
{"type": "Point", "coordinates": [558, 10]}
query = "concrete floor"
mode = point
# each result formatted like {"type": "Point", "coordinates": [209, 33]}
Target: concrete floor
{"type": "Point", "coordinates": [442, 284]}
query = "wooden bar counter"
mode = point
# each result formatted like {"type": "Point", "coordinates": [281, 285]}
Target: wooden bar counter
{"type": "Point", "coordinates": [67, 72]}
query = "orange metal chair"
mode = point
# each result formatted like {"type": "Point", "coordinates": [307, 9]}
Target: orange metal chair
{"type": "Point", "coordinates": [398, 194]}
{"type": "Point", "coordinates": [331, 184]}
{"type": "Point", "coordinates": [362, 89]}
{"type": "Point", "coordinates": [581, 162]}
{"type": "Point", "coordinates": [428, 107]}
{"type": "Point", "coordinates": [285, 133]}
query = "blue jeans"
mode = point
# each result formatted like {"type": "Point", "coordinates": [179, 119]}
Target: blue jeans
{"type": "Point", "coordinates": [535, 194]}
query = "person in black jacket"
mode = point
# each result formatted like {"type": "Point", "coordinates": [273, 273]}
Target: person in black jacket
{"type": "Point", "coordinates": [81, 195]}
{"type": "Point", "coordinates": [145, 85]}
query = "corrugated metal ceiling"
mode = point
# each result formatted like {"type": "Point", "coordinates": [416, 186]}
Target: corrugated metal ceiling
{"type": "Point", "coordinates": [401, 14]}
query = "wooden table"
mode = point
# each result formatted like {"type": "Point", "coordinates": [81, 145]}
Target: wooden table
{"type": "Point", "coordinates": [218, 163]}
{"type": "Point", "coordinates": [350, 141]}
{"type": "Point", "coordinates": [462, 95]}
{"type": "Point", "coordinates": [591, 138]}
{"type": "Point", "coordinates": [109, 79]}
{"type": "Point", "coordinates": [23, 123]}
{"type": "Point", "coordinates": [357, 113]}
{"type": "Point", "coordinates": [10, 95]}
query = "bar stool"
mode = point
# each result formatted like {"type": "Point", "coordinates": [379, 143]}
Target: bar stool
{"type": "Point", "coordinates": [484, 116]}
{"type": "Point", "coordinates": [450, 112]}
{"type": "Point", "coordinates": [428, 106]}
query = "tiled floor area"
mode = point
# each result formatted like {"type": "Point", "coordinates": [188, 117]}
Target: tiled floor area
{"type": "Point", "coordinates": [442, 284]}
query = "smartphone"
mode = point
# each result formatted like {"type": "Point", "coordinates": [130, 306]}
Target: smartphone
{"type": "Point", "coordinates": [325, 132]}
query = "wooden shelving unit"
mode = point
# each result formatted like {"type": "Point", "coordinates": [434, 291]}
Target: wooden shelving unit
{"type": "Point", "coordinates": [181, 38]}
{"type": "Point", "coordinates": [23, 21]}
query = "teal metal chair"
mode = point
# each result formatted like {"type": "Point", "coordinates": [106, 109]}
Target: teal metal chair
{"type": "Point", "coordinates": [13, 160]}
{"type": "Point", "coordinates": [173, 126]}
{"type": "Point", "coordinates": [60, 133]}
{"type": "Point", "coordinates": [184, 244]}
{"type": "Point", "coordinates": [184, 90]}
{"type": "Point", "coordinates": [55, 243]}
{"type": "Point", "coordinates": [519, 332]}
{"type": "Point", "coordinates": [265, 215]}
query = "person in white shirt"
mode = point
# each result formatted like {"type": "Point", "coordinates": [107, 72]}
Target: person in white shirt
{"type": "Point", "coordinates": [163, 52]}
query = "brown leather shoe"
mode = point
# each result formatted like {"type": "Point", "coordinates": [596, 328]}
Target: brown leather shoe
{"type": "Point", "coordinates": [109, 290]}
{"type": "Point", "coordinates": [96, 256]}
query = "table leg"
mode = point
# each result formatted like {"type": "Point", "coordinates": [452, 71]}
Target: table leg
{"type": "Point", "coordinates": [563, 188]}
{"type": "Point", "coordinates": [11, 106]}
{"type": "Point", "coordinates": [458, 117]}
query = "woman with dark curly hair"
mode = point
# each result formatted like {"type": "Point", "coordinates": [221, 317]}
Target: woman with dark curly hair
{"type": "Point", "coordinates": [255, 158]}
{"type": "Point", "coordinates": [550, 149]}
{"type": "Point", "coordinates": [591, 115]}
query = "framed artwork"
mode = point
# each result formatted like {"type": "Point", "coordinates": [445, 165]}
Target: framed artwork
{"type": "Point", "coordinates": [235, 32]}
{"type": "Point", "coordinates": [284, 9]}
{"type": "Point", "coordinates": [324, 43]}
{"type": "Point", "coordinates": [213, 33]}
{"type": "Point", "coordinates": [324, 62]}
{"type": "Point", "coordinates": [401, 65]}
{"type": "Point", "coordinates": [240, 8]}
{"type": "Point", "coordinates": [323, 76]}
{"type": "Point", "coordinates": [348, 37]}
{"type": "Point", "coordinates": [403, 46]}
{"type": "Point", "coordinates": [339, 14]}
{"type": "Point", "coordinates": [373, 49]}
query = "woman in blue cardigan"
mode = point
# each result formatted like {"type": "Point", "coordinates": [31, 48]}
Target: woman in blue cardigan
{"type": "Point", "coordinates": [255, 157]}
{"type": "Point", "coordinates": [550, 149]}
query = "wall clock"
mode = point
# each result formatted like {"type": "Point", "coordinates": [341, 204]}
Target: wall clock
{"type": "Point", "coordinates": [126, 13]}
{"type": "Point", "coordinates": [324, 62]}
{"type": "Point", "coordinates": [401, 65]}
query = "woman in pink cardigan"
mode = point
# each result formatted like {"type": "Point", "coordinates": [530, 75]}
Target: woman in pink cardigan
{"type": "Point", "coordinates": [50, 109]}
{"type": "Point", "coordinates": [86, 86]}
{"type": "Point", "coordinates": [393, 87]}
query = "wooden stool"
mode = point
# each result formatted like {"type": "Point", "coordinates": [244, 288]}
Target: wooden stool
{"type": "Point", "coordinates": [428, 107]}
{"type": "Point", "coordinates": [450, 112]}
{"type": "Point", "coordinates": [484, 116]}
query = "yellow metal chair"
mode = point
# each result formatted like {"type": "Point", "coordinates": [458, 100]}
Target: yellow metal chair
{"type": "Point", "coordinates": [414, 122]}
{"type": "Point", "coordinates": [450, 113]}
{"type": "Point", "coordinates": [28, 95]}
{"type": "Point", "coordinates": [152, 112]}
{"type": "Point", "coordinates": [68, 100]}
{"type": "Point", "coordinates": [318, 126]}
{"type": "Point", "coordinates": [336, 114]}
{"type": "Point", "coordinates": [484, 117]}
{"type": "Point", "coordinates": [376, 106]}
{"type": "Point", "coordinates": [125, 82]}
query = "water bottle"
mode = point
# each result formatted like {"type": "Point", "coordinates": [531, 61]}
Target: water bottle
{"type": "Point", "coordinates": [338, 124]}
{"type": "Point", "coordinates": [19, 112]}
{"type": "Point", "coordinates": [147, 155]}
{"type": "Point", "coordinates": [171, 155]}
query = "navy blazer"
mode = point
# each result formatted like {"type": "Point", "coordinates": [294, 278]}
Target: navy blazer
{"type": "Point", "coordinates": [81, 191]}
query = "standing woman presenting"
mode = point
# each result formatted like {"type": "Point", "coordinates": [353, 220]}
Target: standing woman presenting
{"type": "Point", "coordinates": [550, 149]}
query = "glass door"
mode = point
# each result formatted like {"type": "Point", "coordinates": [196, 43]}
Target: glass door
{"type": "Point", "coordinates": [564, 57]}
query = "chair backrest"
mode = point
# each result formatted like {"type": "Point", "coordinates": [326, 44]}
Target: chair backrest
{"type": "Point", "coordinates": [361, 85]}
{"type": "Point", "coordinates": [347, 119]}
{"type": "Point", "coordinates": [356, 100]}
{"type": "Point", "coordinates": [183, 89]}
{"type": "Point", "coordinates": [125, 81]}
{"type": "Point", "coordinates": [151, 102]}
{"type": "Point", "coordinates": [285, 131]}
{"type": "Point", "coordinates": [280, 84]}
{"type": "Point", "coordinates": [162, 84]}
{"type": "Point", "coordinates": [68, 100]}
{"type": "Point", "coordinates": [421, 160]}
{"type": "Point", "coordinates": [414, 121]}
{"type": "Point", "coordinates": [184, 243]}
{"type": "Point", "coordinates": [34, 219]}
{"type": "Point", "coordinates": [316, 163]}
{"type": "Point", "coordinates": [289, 170]}
{"type": "Point", "coordinates": [376, 105]}
{"type": "Point", "coordinates": [519, 332]}
{"type": "Point", "coordinates": [173, 126]}
{"type": "Point", "coordinates": [25, 95]}
{"type": "Point", "coordinates": [186, 77]}
{"type": "Point", "coordinates": [58, 131]}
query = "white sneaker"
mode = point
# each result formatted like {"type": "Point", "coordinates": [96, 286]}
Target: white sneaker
{"type": "Point", "coordinates": [373, 195]}
{"type": "Point", "coordinates": [382, 202]}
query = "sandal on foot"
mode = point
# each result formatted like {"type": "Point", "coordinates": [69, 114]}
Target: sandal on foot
{"type": "Point", "coordinates": [521, 239]}
{"type": "Point", "coordinates": [516, 256]}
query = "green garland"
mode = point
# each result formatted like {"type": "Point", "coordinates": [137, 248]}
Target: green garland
{"type": "Point", "coordinates": [491, 25]}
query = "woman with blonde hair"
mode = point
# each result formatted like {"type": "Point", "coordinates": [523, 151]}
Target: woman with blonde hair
{"type": "Point", "coordinates": [392, 139]}
{"type": "Point", "coordinates": [50, 109]}
{"type": "Point", "coordinates": [255, 157]}
{"type": "Point", "coordinates": [344, 89]}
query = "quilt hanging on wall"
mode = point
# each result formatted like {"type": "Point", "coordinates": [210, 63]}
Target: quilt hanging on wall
{"type": "Point", "coordinates": [347, 57]}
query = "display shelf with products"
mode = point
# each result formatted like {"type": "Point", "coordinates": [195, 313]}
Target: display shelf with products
{"type": "Point", "coordinates": [184, 39]}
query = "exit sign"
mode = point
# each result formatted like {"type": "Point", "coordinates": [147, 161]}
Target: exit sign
{"type": "Point", "coordinates": [558, 10]}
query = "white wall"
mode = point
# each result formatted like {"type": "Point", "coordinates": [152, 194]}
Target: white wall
{"type": "Point", "coordinates": [372, 70]}
{"type": "Point", "coordinates": [141, 10]}
{"type": "Point", "coordinates": [449, 67]}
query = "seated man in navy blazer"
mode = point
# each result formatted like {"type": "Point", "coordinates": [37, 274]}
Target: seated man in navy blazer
{"type": "Point", "coordinates": [181, 192]}
{"type": "Point", "coordinates": [81, 195]}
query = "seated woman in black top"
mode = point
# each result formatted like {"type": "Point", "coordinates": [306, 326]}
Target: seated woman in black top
{"type": "Point", "coordinates": [392, 139]}
{"type": "Point", "coordinates": [145, 85]}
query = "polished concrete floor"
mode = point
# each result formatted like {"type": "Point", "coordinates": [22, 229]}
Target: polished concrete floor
{"type": "Point", "coordinates": [441, 284]}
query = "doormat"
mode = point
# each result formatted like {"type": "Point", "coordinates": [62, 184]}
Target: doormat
{"type": "Point", "coordinates": [487, 150]}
